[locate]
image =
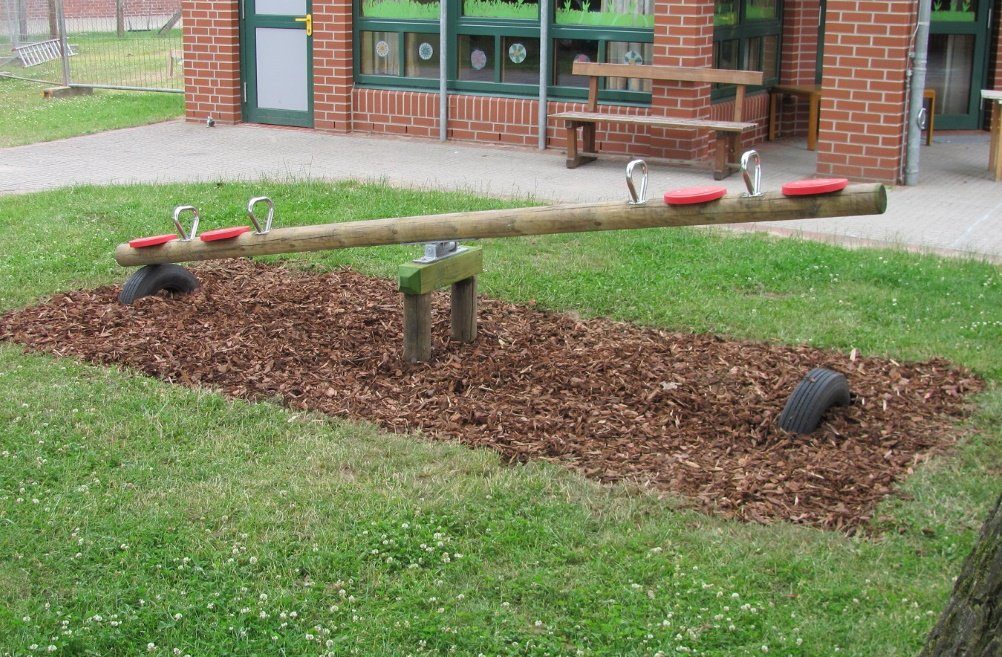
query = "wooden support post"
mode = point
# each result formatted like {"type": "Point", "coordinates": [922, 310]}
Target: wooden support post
{"type": "Point", "coordinates": [464, 310]}
{"type": "Point", "coordinates": [417, 328]}
{"type": "Point", "coordinates": [418, 280]}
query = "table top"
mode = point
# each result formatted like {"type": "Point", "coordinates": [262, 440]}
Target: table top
{"type": "Point", "coordinates": [804, 89]}
{"type": "Point", "coordinates": [988, 94]}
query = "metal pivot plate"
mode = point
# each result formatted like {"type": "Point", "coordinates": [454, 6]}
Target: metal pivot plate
{"type": "Point", "coordinates": [178, 211]}
{"type": "Point", "coordinates": [438, 250]}
{"type": "Point", "coordinates": [753, 178]}
{"type": "Point", "coordinates": [254, 220]}
{"type": "Point", "coordinates": [641, 197]}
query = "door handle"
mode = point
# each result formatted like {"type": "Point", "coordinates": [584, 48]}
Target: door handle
{"type": "Point", "coordinates": [308, 19]}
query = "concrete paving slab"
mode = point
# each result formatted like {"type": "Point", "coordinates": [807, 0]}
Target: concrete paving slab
{"type": "Point", "coordinates": [956, 208]}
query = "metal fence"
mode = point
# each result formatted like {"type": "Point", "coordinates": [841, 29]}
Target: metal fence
{"type": "Point", "coordinates": [118, 44]}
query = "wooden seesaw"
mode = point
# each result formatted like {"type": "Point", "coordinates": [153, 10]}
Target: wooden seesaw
{"type": "Point", "coordinates": [447, 263]}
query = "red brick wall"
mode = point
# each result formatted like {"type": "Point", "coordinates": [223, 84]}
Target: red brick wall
{"type": "Point", "coordinates": [683, 36]}
{"type": "Point", "coordinates": [211, 60]}
{"type": "Point", "coordinates": [864, 107]}
{"type": "Point", "coordinates": [332, 75]}
{"type": "Point", "coordinates": [996, 55]}
{"type": "Point", "coordinates": [37, 9]}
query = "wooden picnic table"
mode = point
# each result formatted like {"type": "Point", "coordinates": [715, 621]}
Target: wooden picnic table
{"type": "Point", "coordinates": [812, 92]}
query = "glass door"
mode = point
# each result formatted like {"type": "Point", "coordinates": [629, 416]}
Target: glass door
{"type": "Point", "coordinates": [277, 61]}
{"type": "Point", "coordinates": [958, 45]}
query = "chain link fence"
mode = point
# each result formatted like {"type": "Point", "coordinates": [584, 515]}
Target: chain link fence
{"type": "Point", "coordinates": [117, 44]}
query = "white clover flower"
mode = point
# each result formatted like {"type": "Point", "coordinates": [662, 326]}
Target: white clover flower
{"type": "Point", "coordinates": [252, 560]}
{"type": "Point", "coordinates": [150, 647]}
{"type": "Point", "coordinates": [765, 648]}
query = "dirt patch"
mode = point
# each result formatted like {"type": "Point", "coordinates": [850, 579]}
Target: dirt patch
{"type": "Point", "coordinates": [691, 414]}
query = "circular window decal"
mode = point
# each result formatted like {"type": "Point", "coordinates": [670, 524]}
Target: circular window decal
{"type": "Point", "coordinates": [425, 51]}
{"type": "Point", "coordinates": [382, 48]}
{"type": "Point", "coordinates": [582, 58]}
{"type": "Point", "coordinates": [516, 53]}
{"type": "Point", "coordinates": [633, 57]}
{"type": "Point", "coordinates": [478, 59]}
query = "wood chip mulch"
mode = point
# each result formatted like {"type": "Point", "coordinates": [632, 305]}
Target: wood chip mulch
{"type": "Point", "coordinates": [688, 414]}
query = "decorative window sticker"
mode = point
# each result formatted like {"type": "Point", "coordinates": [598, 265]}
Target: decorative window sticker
{"type": "Point", "coordinates": [478, 59]}
{"type": "Point", "coordinates": [516, 53]}
{"type": "Point", "coordinates": [633, 57]}
{"type": "Point", "coordinates": [425, 51]}
{"type": "Point", "coordinates": [382, 48]}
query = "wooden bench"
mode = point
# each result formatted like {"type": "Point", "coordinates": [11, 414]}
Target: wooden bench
{"type": "Point", "coordinates": [727, 132]}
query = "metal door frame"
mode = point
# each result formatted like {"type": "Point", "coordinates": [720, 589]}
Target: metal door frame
{"type": "Point", "coordinates": [981, 31]}
{"type": "Point", "coordinates": [249, 22]}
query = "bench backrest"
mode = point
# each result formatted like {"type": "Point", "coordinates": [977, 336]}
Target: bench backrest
{"type": "Point", "coordinates": [669, 73]}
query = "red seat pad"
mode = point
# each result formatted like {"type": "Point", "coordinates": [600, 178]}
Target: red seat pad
{"type": "Point", "coordinates": [223, 233]}
{"type": "Point", "coordinates": [155, 240]}
{"type": "Point", "coordinates": [693, 195]}
{"type": "Point", "coordinates": [815, 186]}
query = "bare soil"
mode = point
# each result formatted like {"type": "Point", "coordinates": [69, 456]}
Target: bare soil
{"type": "Point", "coordinates": [692, 415]}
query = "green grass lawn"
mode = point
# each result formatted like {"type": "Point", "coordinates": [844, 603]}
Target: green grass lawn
{"type": "Point", "coordinates": [140, 517]}
{"type": "Point", "coordinates": [27, 118]}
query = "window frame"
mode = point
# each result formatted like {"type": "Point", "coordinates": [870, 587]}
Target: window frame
{"type": "Point", "coordinates": [744, 31]}
{"type": "Point", "coordinates": [498, 28]}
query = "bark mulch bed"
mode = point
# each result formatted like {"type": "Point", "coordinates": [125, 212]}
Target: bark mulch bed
{"type": "Point", "coordinates": [690, 414]}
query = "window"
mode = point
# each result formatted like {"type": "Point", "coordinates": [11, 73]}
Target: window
{"type": "Point", "coordinates": [746, 37]}
{"type": "Point", "coordinates": [494, 45]}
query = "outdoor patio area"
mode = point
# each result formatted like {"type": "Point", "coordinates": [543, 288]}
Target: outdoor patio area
{"type": "Point", "coordinates": [956, 208]}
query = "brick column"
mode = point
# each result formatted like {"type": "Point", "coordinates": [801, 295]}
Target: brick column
{"type": "Point", "coordinates": [211, 60]}
{"type": "Point", "coordinates": [332, 75]}
{"type": "Point", "coordinates": [683, 36]}
{"type": "Point", "coordinates": [863, 110]}
{"type": "Point", "coordinates": [995, 55]}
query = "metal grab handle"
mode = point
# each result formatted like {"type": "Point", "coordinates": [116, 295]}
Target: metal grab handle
{"type": "Point", "coordinates": [308, 19]}
{"type": "Point", "coordinates": [186, 237]}
{"type": "Point", "coordinates": [267, 222]}
{"type": "Point", "coordinates": [641, 198]}
{"type": "Point", "coordinates": [754, 185]}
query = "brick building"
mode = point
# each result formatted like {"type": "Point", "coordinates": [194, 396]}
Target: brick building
{"type": "Point", "coordinates": [373, 66]}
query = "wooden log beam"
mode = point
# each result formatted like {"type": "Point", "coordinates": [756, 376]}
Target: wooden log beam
{"type": "Point", "coordinates": [865, 199]}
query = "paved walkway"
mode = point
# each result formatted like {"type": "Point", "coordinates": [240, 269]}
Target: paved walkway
{"type": "Point", "coordinates": [956, 208]}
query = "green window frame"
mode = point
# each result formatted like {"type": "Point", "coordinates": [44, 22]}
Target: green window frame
{"type": "Point", "coordinates": [499, 54]}
{"type": "Point", "coordinates": [747, 35]}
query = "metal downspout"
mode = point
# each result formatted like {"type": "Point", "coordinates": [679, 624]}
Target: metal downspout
{"type": "Point", "coordinates": [443, 65]}
{"type": "Point", "coordinates": [916, 107]}
{"type": "Point", "coordinates": [544, 60]}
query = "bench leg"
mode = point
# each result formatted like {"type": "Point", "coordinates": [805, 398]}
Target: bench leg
{"type": "Point", "coordinates": [727, 146]}
{"type": "Point", "coordinates": [575, 159]}
{"type": "Point", "coordinates": [588, 138]}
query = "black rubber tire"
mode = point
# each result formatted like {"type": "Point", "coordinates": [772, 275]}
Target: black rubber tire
{"type": "Point", "coordinates": [816, 393]}
{"type": "Point", "coordinates": [152, 278]}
